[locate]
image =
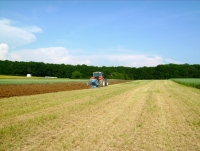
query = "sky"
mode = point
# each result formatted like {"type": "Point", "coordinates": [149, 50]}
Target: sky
{"type": "Point", "coordinates": [129, 33]}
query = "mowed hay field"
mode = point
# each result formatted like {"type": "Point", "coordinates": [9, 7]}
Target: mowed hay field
{"type": "Point", "coordinates": [139, 115]}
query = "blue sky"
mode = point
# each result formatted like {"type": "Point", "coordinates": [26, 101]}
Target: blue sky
{"type": "Point", "coordinates": [100, 33]}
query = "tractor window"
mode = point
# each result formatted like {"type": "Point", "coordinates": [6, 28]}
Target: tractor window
{"type": "Point", "coordinates": [97, 74]}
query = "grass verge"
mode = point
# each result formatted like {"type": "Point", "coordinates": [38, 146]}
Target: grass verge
{"type": "Point", "coordinates": [192, 82]}
{"type": "Point", "coordinates": [4, 79]}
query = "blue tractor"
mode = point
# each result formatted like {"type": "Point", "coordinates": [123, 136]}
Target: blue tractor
{"type": "Point", "coordinates": [97, 80]}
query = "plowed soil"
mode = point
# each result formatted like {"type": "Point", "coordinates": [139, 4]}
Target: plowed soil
{"type": "Point", "coordinates": [30, 89]}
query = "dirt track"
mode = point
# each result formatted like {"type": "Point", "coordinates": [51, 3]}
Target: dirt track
{"type": "Point", "coordinates": [136, 116]}
{"type": "Point", "coordinates": [30, 89]}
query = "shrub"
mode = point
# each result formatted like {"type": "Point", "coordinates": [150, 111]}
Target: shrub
{"type": "Point", "coordinates": [76, 75]}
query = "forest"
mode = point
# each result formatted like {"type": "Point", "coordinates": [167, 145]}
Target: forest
{"type": "Point", "coordinates": [165, 71]}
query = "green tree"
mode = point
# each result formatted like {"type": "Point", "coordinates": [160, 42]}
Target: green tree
{"type": "Point", "coordinates": [76, 75]}
{"type": "Point", "coordinates": [116, 75]}
{"type": "Point", "coordinates": [65, 70]}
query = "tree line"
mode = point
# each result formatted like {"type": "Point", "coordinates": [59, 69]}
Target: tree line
{"type": "Point", "coordinates": [166, 71]}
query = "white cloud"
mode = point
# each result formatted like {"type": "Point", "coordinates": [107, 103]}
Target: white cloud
{"type": "Point", "coordinates": [86, 62]}
{"type": "Point", "coordinates": [3, 51]}
{"type": "Point", "coordinates": [132, 60]}
{"type": "Point", "coordinates": [33, 29]}
{"type": "Point", "coordinates": [138, 60]}
{"type": "Point", "coordinates": [173, 61]}
{"type": "Point", "coordinates": [59, 55]}
{"type": "Point", "coordinates": [47, 55]}
{"type": "Point", "coordinates": [15, 36]}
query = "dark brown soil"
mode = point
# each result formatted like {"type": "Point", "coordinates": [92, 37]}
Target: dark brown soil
{"type": "Point", "coordinates": [30, 89]}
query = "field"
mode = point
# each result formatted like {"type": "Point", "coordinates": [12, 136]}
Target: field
{"type": "Point", "coordinates": [34, 80]}
{"type": "Point", "coordinates": [30, 86]}
{"type": "Point", "coordinates": [139, 115]}
{"type": "Point", "coordinates": [193, 82]}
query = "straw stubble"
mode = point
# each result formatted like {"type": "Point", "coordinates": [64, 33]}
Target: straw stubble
{"type": "Point", "coordinates": [140, 115]}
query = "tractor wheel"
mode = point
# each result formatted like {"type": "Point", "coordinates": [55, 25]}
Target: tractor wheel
{"type": "Point", "coordinates": [106, 82]}
{"type": "Point", "coordinates": [102, 82]}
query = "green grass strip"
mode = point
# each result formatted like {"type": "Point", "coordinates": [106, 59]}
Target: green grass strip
{"type": "Point", "coordinates": [192, 82]}
{"type": "Point", "coordinates": [37, 81]}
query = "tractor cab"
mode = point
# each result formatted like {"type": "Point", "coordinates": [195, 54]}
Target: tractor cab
{"type": "Point", "coordinates": [97, 74]}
